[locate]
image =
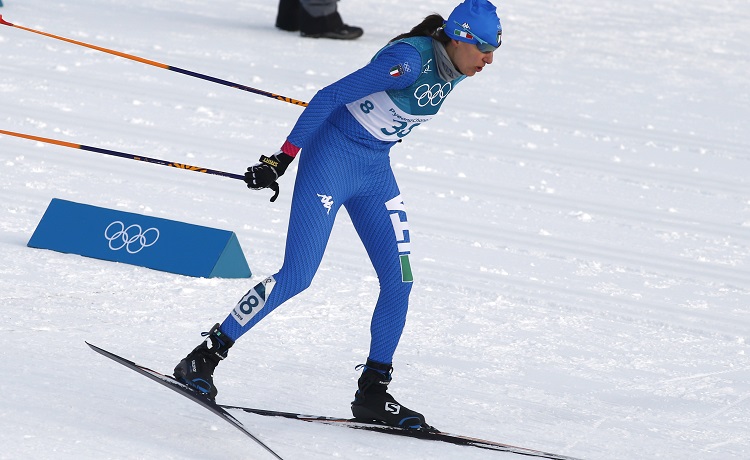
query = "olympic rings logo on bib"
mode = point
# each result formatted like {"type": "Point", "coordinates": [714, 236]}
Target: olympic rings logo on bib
{"type": "Point", "coordinates": [432, 95]}
{"type": "Point", "coordinates": [132, 238]}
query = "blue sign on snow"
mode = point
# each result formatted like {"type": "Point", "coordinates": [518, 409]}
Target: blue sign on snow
{"type": "Point", "coordinates": [160, 244]}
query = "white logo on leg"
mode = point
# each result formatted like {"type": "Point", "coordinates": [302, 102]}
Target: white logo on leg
{"type": "Point", "coordinates": [327, 201]}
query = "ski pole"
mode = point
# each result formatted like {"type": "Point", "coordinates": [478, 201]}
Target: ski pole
{"type": "Point", "coordinates": [274, 186]}
{"type": "Point", "coordinates": [160, 65]}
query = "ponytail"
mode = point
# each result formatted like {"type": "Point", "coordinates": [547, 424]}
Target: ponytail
{"type": "Point", "coordinates": [431, 26]}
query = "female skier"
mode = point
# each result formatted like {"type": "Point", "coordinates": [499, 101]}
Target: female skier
{"type": "Point", "coordinates": [346, 133]}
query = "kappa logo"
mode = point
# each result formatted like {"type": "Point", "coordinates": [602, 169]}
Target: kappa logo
{"type": "Point", "coordinates": [327, 201]}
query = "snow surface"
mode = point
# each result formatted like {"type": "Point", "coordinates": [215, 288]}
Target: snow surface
{"type": "Point", "coordinates": [580, 216]}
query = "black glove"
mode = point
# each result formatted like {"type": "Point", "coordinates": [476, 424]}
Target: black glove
{"type": "Point", "coordinates": [264, 174]}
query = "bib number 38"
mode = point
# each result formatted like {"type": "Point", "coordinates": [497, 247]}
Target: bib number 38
{"type": "Point", "coordinates": [401, 129]}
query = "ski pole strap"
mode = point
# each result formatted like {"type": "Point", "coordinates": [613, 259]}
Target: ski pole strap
{"type": "Point", "coordinates": [275, 187]}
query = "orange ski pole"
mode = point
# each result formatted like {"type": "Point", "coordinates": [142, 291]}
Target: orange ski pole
{"type": "Point", "coordinates": [160, 65]}
{"type": "Point", "coordinates": [121, 154]}
{"type": "Point", "coordinates": [129, 156]}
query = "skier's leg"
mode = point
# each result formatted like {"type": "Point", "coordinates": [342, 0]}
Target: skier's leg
{"type": "Point", "coordinates": [380, 220]}
{"type": "Point", "coordinates": [318, 193]}
{"type": "Point", "coordinates": [322, 184]}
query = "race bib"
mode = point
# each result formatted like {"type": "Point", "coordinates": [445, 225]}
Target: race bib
{"type": "Point", "coordinates": [382, 118]}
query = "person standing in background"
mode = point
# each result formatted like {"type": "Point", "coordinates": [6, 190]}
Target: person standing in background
{"type": "Point", "coordinates": [315, 19]}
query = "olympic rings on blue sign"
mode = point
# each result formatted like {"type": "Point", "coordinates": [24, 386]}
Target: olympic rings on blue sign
{"type": "Point", "coordinates": [133, 238]}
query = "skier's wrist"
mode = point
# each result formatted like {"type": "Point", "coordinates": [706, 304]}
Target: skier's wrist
{"type": "Point", "coordinates": [290, 149]}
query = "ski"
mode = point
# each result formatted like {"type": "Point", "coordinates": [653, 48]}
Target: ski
{"type": "Point", "coordinates": [430, 435]}
{"type": "Point", "coordinates": [173, 384]}
{"type": "Point", "coordinates": [224, 412]}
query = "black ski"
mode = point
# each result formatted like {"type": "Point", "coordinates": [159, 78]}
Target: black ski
{"type": "Point", "coordinates": [223, 411]}
{"type": "Point", "coordinates": [431, 435]}
{"type": "Point", "coordinates": [184, 390]}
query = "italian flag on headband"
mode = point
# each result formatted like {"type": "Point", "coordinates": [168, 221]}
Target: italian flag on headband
{"type": "Point", "coordinates": [463, 33]}
{"type": "Point", "coordinates": [397, 71]}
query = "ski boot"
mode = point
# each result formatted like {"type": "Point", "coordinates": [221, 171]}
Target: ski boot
{"type": "Point", "coordinates": [196, 370]}
{"type": "Point", "coordinates": [372, 402]}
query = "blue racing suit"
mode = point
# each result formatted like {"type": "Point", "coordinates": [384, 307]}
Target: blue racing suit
{"type": "Point", "coordinates": [345, 134]}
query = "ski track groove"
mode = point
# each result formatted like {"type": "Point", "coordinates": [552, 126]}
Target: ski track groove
{"type": "Point", "coordinates": [642, 135]}
{"type": "Point", "coordinates": [574, 249]}
{"type": "Point", "coordinates": [658, 221]}
{"type": "Point", "coordinates": [585, 298]}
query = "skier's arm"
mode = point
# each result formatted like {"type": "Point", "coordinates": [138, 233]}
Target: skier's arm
{"type": "Point", "coordinates": [375, 77]}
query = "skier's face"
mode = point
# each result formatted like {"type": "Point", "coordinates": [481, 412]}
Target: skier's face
{"type": "Point", "coordinates": [468, 59]}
